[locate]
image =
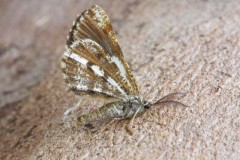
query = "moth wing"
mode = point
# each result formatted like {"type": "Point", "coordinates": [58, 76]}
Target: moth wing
{"type": "Point", "coordinates": [83, 75]}
{"type": "Point", "coordinates": [93, 32]}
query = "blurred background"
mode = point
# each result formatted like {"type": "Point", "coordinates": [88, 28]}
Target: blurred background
{"type": "Point", "coordinates": [33, 36]}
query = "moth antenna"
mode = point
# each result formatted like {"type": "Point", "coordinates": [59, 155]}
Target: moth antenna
{"type": "Point", "coordinates": [175, 103]}
{"type": "Point", "coordinates": [171, 97]}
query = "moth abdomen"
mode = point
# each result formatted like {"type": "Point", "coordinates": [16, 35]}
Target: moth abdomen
{"type": "Point", "coordinates": [114, 110]}
{"type": "Point", "coordinates": [95, 115]}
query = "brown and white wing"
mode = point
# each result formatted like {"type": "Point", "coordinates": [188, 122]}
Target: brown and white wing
{"type": "Point", "coordinates": [93, 60]}
{"type": "Point", "coordinates": [83, 74]}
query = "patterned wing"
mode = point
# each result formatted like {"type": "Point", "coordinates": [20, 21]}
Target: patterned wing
{"type": "Point", "coordinates": [93, 60]}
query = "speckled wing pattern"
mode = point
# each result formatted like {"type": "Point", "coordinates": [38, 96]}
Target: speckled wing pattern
{"type": "Point", "coordinates": [93, 62]}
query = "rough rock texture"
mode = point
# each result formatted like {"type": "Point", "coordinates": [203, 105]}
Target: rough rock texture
{"type": "Point", "coordinates": [171, 46]}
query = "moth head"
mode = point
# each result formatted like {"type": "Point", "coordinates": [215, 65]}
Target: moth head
{"type": "Point", "coordinates": [142, 101]}
{"type": "Point", "coordinates": [147, 105]}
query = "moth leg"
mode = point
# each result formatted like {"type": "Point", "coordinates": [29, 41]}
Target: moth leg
{"type": "Point", "coordinates": [72, 109]}
{"type": "Point", "coordinates": [104, 127]}
{"type": "Point", "coordinates": [129, 126]}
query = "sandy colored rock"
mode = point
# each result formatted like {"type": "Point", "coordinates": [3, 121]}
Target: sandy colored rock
{"type": "Point", "coordinates": [171, 46]}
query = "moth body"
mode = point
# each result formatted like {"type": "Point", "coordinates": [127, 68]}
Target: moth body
{"type": "Point", "coordinates": [116, 110]}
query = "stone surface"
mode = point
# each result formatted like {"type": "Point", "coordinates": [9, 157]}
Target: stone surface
{"type": "Point", "coordinates": [171, 46]}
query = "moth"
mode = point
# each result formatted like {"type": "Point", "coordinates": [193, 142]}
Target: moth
{"type": "Point", "coordinates": [93, 64]}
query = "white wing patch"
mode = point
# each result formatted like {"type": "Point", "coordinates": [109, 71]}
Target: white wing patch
{"type": "Point", "coordinates": [121, 68]}
{"type": "Point", "coordinates": [81, 87]}
{"type": "Point", "coordinates": [95, 89]}
{"type": "Point", "coordinates": [97, 70]}
{"type": "Point", "coordinates": [76, 57]}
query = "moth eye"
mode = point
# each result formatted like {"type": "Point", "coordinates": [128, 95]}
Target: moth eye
{"type": "Point", "coordinates": [135, 98]}
{"type": "Point", "coordinates": [147, 105]}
